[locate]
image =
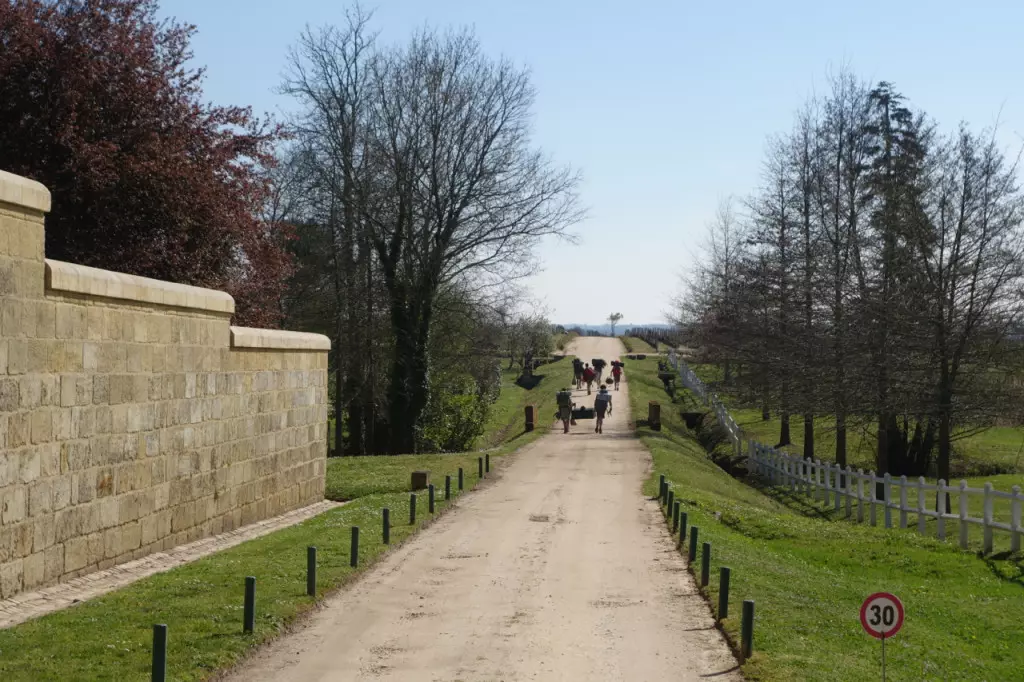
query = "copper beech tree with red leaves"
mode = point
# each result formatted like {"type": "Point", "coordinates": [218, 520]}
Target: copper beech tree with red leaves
{"type": "Point", "coordinates": [97, 102]}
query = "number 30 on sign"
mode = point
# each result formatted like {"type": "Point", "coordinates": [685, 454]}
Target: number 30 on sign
{"type": "Point", "coordinates": [881, 614]}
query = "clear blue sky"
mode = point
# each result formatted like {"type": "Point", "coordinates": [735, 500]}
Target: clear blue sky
{"type": "Point", "coordinates": [664, 106]}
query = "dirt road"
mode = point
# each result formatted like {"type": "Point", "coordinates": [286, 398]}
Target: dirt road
{"type": "Point", "coordinates": [558, 570]}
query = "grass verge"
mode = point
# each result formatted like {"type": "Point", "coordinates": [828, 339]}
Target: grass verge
{"type": "Point", "coordinates": [505, 422]}
{"type": "Point", "coordinates": [110, 637]}
{"type": "Point", "coordinates": [809, 575]}
{"type": "Point", "coordinates": [635, 344]}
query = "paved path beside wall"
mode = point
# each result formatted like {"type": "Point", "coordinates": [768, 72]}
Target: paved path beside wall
{"type": "Point", "coordinates": [28, 605]}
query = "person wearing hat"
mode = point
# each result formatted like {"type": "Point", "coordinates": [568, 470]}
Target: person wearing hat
{"type": "Point", "coordinates": [602, 404]}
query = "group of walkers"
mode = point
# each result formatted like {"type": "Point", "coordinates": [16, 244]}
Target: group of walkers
{"type": "Point", "coordinates": [584, 373]}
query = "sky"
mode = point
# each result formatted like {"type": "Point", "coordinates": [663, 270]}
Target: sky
{"type": "Point", "coordinates": [665, 107]}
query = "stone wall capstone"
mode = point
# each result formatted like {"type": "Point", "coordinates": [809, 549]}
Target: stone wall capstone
{"type": "Point", "coordinates": [133, 416]}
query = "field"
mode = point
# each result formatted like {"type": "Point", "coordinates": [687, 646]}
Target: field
{"type": "Point", "coordinates": [808, 575]}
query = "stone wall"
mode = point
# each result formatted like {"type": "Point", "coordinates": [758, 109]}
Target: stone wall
{"type": "Point", "coordinates": [133, 416]}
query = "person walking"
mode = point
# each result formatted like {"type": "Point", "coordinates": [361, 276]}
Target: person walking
{"type": "Point", "coordinates": [564, 400]}
{"type": "Point", "coordinates": [617, 374]}
{"type": "Point", "coordinates": [599, 365]}
{"type": "Point", "coordinates": [602, 404]}
{"type": "Point", "coordinates": [577, 372]}
{"type": "Point", "coordinates": [588, 377]}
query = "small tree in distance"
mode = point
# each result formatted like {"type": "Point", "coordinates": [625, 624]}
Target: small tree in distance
{"type": "Point", "coordinates": [614, 320]}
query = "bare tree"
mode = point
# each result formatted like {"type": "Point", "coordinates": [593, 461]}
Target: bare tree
{"type": "Point", "coordinates": [613, 320]}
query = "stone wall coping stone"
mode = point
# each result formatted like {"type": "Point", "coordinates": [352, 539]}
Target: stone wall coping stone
{"type": "Point", "coordinates": [22, 192]}
{"type": "Point", "coordinates": [276, 339]}
{"type": "Point", "coordinates": [81, 279]}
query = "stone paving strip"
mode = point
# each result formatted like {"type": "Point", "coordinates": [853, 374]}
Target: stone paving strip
{"type": "Point", "coordinates": [29, 605]}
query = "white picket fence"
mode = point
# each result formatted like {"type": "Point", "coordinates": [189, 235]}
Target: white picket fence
{"type": "Point", "coordinates": [850, 491]}
{"type": "Point", "coordinates": [698, 388]}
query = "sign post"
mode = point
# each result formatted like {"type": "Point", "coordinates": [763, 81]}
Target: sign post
{"type": "Point", "coordinates": [881, 616]}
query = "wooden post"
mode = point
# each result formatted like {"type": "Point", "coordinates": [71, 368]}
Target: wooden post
{"type": "Point", "coordinates": [963, 514]}
{"type": "Point", "coordinates": [705, 565]}
{"type": "Point", "coordinates": [920, 505]}
{"type": "Point", "coordinates": [531, 417]}
{"type": "Point", "coordinates": [941, 509]}
{"type": "Point", "coordinates": [249, 606]}
{"type": "Point", "coordinates": [723, 593]}
{"type": "Point", "coordinates": [747, 629]}
{"type": "Point", "coordinates": [420, 480]}
{"type": "Point", "coordinates": [887, 499]}
{"type": "Point", "coordinates": [987, 519]}
{"type": "Point", "coordinates": [874, 496]}
{"type": "Point", "coordinates": [158, 671]}
{"type": "Point", "coordinates": [903, 501]}
{"type": "Point", "coordinates": [654, 415]}
{"type": "Point", "coordinates": [1015, 529]}
{"type": "Point", "coordinates": [860, 495]}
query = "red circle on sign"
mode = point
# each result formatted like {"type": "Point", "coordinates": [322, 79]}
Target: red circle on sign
{"type": "Point", "coordinates": [873, 620]}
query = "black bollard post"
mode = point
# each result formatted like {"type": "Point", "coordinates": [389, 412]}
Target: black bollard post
{"type": "Point", "coordinates": [479, 467]}
{"type": "Point", "coordinates": [311, 571]}
{"type": "Point", "coordinates": [723, 593]}
{"type": "Point", "coordinates": [249, 614]}
{"type": "Point", "coordinates": [747, 629]}
{"type": "Point", "coordinates": [387, 525]}
{"type": "Point", "coordinates": [412, 509]}
{"type": "Point", "coordinates": [675, 517]}
{"type": "Point", "coordinates": [682, 528]}
{"type": "Point", "coordinates": [460, 478]}
{"type": "Point", "coordinates": [430, 498]}
{"type": "Point", "coordinates": [353, 553]}
{"type": "Point", "coordinates": [159, 669]}
{"type": "Point", "coordinates": [487, 463]}
{"type": "Point", "coordinates": [705, 565]}
{"type": "Point", "coordinates": [661, 487]}
{"type": "Point", "coordinates": [671, 501]}
{"type": "Point", "coordinates": [693, 542]}
{"type": "Point", "coordinates": [447, 487]}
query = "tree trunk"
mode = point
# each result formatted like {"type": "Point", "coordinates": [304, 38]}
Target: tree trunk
{"type": "Point", "coordinates": [840, 437]}
{"type": "Point", "coordinates": [808, 435]}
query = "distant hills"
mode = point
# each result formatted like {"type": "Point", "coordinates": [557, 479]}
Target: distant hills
{"type": "Point", "coordinates": [619, 328]}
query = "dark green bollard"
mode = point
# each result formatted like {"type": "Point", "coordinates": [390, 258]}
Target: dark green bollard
{"type": "Point", "coordinates": [430, 498]}
{"type": "Point", "coordinates": [661, 487]}
{"type": "Point", "coordinates": [675, 517]}
{"type": "Point", "coordinates": [447, 487]}
{"type": "Point", "coordinates": [387, 525]}
{"type": "Point", "coordinates": [693, 542]}
{"type": "Point", "coordinates": [682, 528]}
{"type": "Point", "coordinates": [479, 467]}
{"type": "Point", "coordinates": [723, 593]}
{"type": "Point", "coordinates": [705, 565]}
{"type": "Point", "coordinates": [311, 571]}
{"type": "Point", "coordinates": [353, 553]}
{"type": "Point", "coordinates": [159, 671]}
{"type": "Point", "coordinates": [487, 463]}
{"type": "Point", "coordinates": [249, 614]}
{"type": "Point", "coordinates": [747, 629]}
{"type": "Point", "coordinates": [460, 478]}
{"type": "Point", "coordinates": [671, 501]}
{"type": "Point", "coordinates": [412, 509]}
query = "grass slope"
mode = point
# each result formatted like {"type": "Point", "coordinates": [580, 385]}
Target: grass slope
{"type": "Point", "coordinates": [808, 577]}
{"type": "Point", "coordinates": [635, 344]}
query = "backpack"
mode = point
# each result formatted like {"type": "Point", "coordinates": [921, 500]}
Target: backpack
{"type": "Point", "coordinates": [601, 397]}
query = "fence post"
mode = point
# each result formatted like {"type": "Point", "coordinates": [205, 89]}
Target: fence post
{"type": "Point", "coordinates": [159, 667]}
{"type": "Point", "coordinates": [807, 466]}
{"type": "Point", "coordinates": [747, 629]}
{"type": "Point", "coordinates": [661, 487]}
{"type": "Point", "coordinates": [311, 571]}
{"type": "Point", "coordinates": [353, 553]}
{"type": "Point", "coordinates": [1015, 529]}
{"type": "Point", "coordinates": [705, 565]}
{"type": "Point", "coordinates": [839, 487]}
{"type": "Point", "coordinates": [412, 509]}
{"type": "Point", "coordinates": [671, 501]}
{"type": "Point", "coordinates": [860, 495]}
{"type": "Point", "coordinates": [849, 491]}
{"type": "Point", "coordinates": [386, 514]}
{"type": "Point", "coordinates": [828, 484]}
{"type": "Point", "coordinates": [682, 529]}
{"type": "Point", "coordinates": [479, 467]}
{"type": "Point", "coordinates": [694, 532]}
{"type": "Point", "coordinates": [872, 484]}
{"type": "Point", "coordinates": [963, 514]}
{"type": "Point", "coordinates": [987, 519]}
{"type": "Point", "coordinates": [460, 479]}
{"type": "Point", "coordinates": [940, 508]}
{"type": "Point", "coordinates": [920, 505]}
{"type": "Point", "coordinates": [887, 499]}
{"type": "Point", "coordinates": [723, 593]}
{"type": "Point", "coordinates": [675, 517]}
{"type": "Point", "coordinates": [430, 498]}
{"type": "Point", "coordinates": [903, 501]}
{"type": "Point", "coordinates": [249, 609]}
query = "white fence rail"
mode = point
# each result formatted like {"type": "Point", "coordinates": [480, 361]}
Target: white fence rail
{"type": "Point", "coordinates": [852, 491]}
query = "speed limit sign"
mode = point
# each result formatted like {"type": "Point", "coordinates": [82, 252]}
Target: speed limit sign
{"type": "Point", "coordinates": [881, 614]}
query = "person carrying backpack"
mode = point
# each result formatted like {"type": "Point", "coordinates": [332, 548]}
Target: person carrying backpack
{"type": "Point", "coordinates": [602, 404]}
{"type": "Point", "coordinates": [617, 374]}
{"type": "Point", "coordinates": [588, 376]}
{"type": "Point", "coordinates": [564, 400]}
{"type": "Point", "coordinates": [577, 372]}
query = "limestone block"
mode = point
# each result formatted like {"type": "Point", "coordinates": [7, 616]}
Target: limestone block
{"type": "Point", "coordinates": [13, 504]}
{"type": "Point", "coordinates": [53, 558]}
{"type": "Point", "coordinates": [34, 570]}
{"type": "Point", "coordinates": [11, 575]}
{"type": "Point", "coordinates": [76, 553]}
{"type": "Point", "coordinates": [40, 498]}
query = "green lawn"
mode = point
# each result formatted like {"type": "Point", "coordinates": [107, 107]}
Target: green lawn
{"type": "Point", "coordinates": [110, 637]}
{"type": "Point", "coordinates": [506, 420]}
{"type": "Point", "coordinates": [635, 344]}
{"type": "Point", "coordinates": [808, 576]}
